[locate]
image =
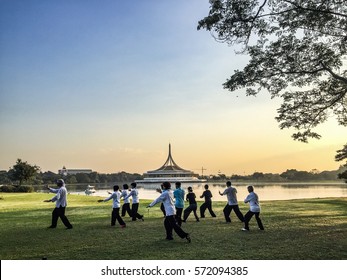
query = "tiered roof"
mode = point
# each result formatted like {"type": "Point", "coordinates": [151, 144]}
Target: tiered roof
{"type": "Point", "coordinates": [170, 167]}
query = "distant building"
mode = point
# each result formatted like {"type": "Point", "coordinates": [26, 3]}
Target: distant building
{"type": "Point", "coordinates": [64, 171]}
{"type": "Point", "coordinates": [171, 172]}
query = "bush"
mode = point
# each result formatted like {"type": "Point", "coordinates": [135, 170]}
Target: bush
{"type": "Point", "coordinates": [7, 188]}
{"type": "Point", "coordinates": [21, 189]}
{"type": "Point", "coordinates": [25, 189]}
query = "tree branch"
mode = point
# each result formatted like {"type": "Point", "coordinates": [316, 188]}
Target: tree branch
{"type": "Point", "coordinates": [315, 10]}
{"type": "Point", "coordinates": [337, 77]}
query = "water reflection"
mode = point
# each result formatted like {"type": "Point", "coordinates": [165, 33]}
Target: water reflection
{"type": "Point", "coordinates": [266, 191]}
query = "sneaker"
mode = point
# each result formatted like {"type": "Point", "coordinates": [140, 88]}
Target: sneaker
{"type": "Point", "coordinates": [244, 229]}
{"type": "Point", "coordinates": [69, 227]}
{"type": "Point", "coordinates": [188, 238]}
{"type": "Point", "coordinates": [123, 226]}
{"type": "Point", "coordinates": [169, 238]}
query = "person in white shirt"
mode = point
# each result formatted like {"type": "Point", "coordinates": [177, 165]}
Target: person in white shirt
{"type": "Point", "coordinates": [115, 207]}
{"type": "Point", "coordinates": [232, 204]}
{"type": "Point", "coordinates": [134, 193]}
{"type": "Point", "coordinates": [126, 202]}
{"type": "Point", "coordinates": [162, 208]}
{"type": "Point", "coordinates": [254, 209]}
{"type": "Point", "coordinates": [60, 200]}
{"type": "Point", "coordinates": [170, 222]}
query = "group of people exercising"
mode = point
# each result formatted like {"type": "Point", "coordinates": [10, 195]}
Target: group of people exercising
{"type": "Point", "coordinates": [172, 205]}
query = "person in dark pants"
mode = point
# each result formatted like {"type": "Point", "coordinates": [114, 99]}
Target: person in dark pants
{"type": "Point", "coordinates": [60, 200]}
{"type": "Point", "coordinates": [162, 208]}
{"type": "Point", "coordinates": [134, 193]}
{"type": "Point", "coordinates": [192, 205]}
{"type": "Point", "coordinates": [126, 202]}
{"type": "Point", "coordinates": [170, 223]}
{"type": "Point", "coordinates": [254, 209]}
{"type": "Point", "coordinates": [230, 191]}
{"type": "Point", "coordinates": [116, 206]}
{"type": "Point", "coordinates": [207, 204]}
{"type": "Point", "coordinates": [179, 202]}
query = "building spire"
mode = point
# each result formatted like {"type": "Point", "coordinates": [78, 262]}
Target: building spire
{"type": "Point", "coordinates": [170, 164]}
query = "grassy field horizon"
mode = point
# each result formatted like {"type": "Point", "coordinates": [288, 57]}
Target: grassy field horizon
{"type": "Point", "coordinates": [307, 229]}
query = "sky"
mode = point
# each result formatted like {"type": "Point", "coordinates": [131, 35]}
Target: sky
{"type": "Point", "coordinates": [107, 85]}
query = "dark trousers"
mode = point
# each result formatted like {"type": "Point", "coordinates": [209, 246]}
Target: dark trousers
{"type": "Point", "coordinates": [204, 206]}
{"type": "Point", "coordinates": [249, 216]}
{"type": "Point", "coordinates": [171, 224]}
{"type": "Point", "coordinates": [60, 213]}
{"type": "Point", "coordinates": [134, 214]}
{"type": "Point", "coordinates": [162, 208]}
{"type": "Point", "coordinates": [227, 210]}
{"type": "Point", "coordinates": [179, 215]}
{"type": "Point", "coordinates": [188, 210]}
{"type": "Point", "coordinates": [115, 216]}
{"type": "Point", "coordinates": [126, 209]}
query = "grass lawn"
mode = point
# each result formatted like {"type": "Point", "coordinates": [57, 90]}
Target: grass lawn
{"type": "Point", "coordinates": [294, 230]}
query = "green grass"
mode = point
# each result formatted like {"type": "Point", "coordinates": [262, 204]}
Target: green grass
{"type": "Point", "coordinates": [294, 229]}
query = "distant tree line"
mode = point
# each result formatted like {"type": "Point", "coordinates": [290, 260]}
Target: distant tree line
{"type": "Point", "coordinates": [22, 176]}
{"type": "Point", "coordinates": [88, 178]}
{"type": "Point", "coordinates": [42, 178]}
{"type": "Point", "coordinates": [288, 175]}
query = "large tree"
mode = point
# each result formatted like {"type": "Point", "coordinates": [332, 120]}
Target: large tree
{"type": "Point", "coordinates": [22, 171]}
{"type": "Point", "coordinates": [297, 51]}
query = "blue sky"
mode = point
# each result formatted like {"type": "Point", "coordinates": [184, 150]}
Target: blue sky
{"type": "Point", "coordinates": [107, 85]}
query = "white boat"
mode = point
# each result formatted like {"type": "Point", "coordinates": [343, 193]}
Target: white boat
{"type": "Point", "coordinates": [90, 190]}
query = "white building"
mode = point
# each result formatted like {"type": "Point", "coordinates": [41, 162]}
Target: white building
{"type": "Point", "coordinates": [64, 171]}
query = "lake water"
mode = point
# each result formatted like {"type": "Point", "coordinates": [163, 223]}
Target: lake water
{"type": "Point", "coordinates": [265, 191]}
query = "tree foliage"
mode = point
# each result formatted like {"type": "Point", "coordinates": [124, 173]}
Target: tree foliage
{"type": "Point", "coordinates": [342, 155]}
{"type": "Point", "coordinates": [22, 171]}
{"type": "Point", "coordinates": [297, 51]}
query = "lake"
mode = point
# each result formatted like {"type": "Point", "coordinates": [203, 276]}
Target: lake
{"type": "Point", "coordinates": [265, 191]}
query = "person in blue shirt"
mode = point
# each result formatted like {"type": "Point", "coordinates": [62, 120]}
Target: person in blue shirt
{"type": "Point", "coordinates": [179, 202]}
{"type": "Point", "coordinates": [254, 209]}
{"type": "Point", "coordinates": [115, 207]}
{"type": "Point", "coordinates": [170, 224]}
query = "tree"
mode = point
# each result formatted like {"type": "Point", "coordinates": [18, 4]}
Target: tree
{"type": "Point", "coordinates": [297, 50]}
{"type": "Point", "coordinates": [295, 175]}
{"type": "Point", "coordinates": [82, 178]}
{"type": "Point", "coordinates": [22, 171]}
{"type": "Point", "coordinates": [342, 155]}
{"type": "Point", "coordinates": [258, 175]}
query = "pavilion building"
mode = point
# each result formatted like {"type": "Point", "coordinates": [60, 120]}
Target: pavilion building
{"type": "Point", "coordinates": [170, 172]}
